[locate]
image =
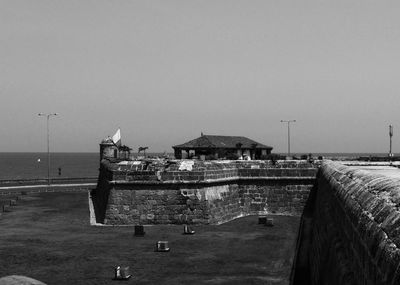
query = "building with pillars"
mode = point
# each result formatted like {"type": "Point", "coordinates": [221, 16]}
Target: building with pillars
{"type": "Point", "coordinates": [221, 147]}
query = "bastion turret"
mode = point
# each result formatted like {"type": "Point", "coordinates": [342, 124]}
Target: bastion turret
{"type": "Point", "coordinates": [108, 149]}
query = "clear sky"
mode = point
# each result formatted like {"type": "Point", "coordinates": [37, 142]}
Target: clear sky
{"type": "Point", "coordinates": [165, 71]}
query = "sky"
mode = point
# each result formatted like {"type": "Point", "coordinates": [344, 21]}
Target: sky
{"type": "Point", "coordinates": [165, 71]}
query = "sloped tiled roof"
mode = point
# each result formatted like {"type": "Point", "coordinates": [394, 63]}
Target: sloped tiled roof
{"type": "Point", "coordinates": [211, 141]}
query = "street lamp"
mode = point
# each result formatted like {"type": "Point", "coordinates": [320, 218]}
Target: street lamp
{"type": "Point", "coordinates": [48, 115]}
{"type": "Point", "coordinates": [288, 132]}
{"type": "Point", "coordinates": [390, 136]}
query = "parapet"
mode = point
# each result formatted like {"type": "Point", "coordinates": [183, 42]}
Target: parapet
{"type": "Point", "coordinates": [357, 213]}
{"type": "Point", "coordinates": [198, 171]}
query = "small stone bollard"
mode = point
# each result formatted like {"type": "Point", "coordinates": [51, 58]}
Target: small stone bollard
{"type": "Point", "coordinates": [13, 202]}
{"type": "Point", "coordinates": [121, 273]}
{"type": "Point", "coordinates": [269, 222]}
{"type": "Point", "coordinates": [162, 246]}
{"type": "Point", "coordinates": [188, 230]}
{"type": "Point", "coordinates": [6, 208]}
{"type": "Point", "coordinates": [139, 231]}
{"type": "Point", "coordinates": [262, 220]}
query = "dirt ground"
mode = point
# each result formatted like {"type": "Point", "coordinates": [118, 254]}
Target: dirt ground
{"type": "Point", "coordinates": [47, 236]}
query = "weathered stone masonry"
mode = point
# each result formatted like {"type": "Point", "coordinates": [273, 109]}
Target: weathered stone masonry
{"type": "Point", "coordinates": [208, 192]}
{"type": "Point", "coordinates": [350, 232]}
{"type": "Point", "coordinates": [356, 227]}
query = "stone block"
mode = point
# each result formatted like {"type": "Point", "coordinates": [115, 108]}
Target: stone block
{"type": "Point", "coordinates": [269, 222]}
{"type": "Point", "coordinates": [152, 202]}
{"type": "Point", "coordinates": [262, 219]}
{"type": "Point", "coordinates": [164, 217]}
{"type": "Point", "coordinates": [133, 212]}
{"type": "Point", "coordinates": [139, 230]}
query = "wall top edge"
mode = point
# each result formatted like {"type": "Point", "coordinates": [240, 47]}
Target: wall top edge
{"type": "Point", "coordinates": [210, 181]}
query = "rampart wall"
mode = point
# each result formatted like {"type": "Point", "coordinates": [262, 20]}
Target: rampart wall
{"type": "Point", "coordinates": [355, 236]}
{"type": "Point", "coordinates": [186, 191]}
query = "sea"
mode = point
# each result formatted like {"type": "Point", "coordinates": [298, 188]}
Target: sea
{"type": "Point", "coordinates": [33, 165]}
{"type": "Point", "coordinates": [28, 165]}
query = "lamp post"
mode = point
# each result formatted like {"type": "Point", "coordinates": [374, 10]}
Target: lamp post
{"type": "Point", "coordinates": [288, 129]}
{"type": "Point", "coordinates": [48, 115]}
{"type": "Point", "coordinates": [390, 136]}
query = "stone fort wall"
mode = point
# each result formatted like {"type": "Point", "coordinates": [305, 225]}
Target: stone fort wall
{"type": "Point", "coordinates": [182, 191]}
{"type": "Point", "coordinates": [355, 236]}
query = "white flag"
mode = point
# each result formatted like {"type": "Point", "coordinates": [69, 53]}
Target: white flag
{"type": "Point", "coordinates": [117, 137]}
